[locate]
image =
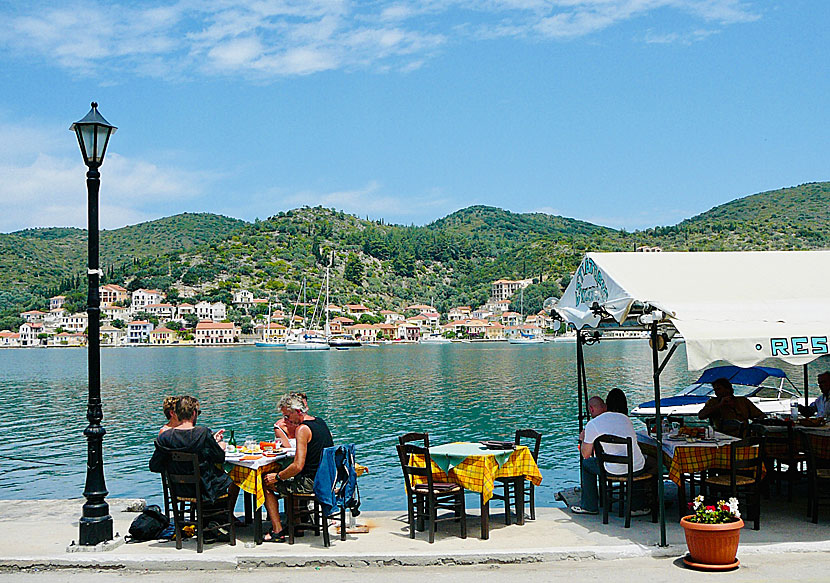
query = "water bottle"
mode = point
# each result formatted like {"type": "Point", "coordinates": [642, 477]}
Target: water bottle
{"type": "Point", "coordinates": [666, 426]}
{"type": "Point", "coordinates": [232, 440]}
{"type": "Point", "coordinates": [794, 410]}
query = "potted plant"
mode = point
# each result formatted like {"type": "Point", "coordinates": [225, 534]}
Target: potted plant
{"type": "Point", "coordinates": [713, 534]}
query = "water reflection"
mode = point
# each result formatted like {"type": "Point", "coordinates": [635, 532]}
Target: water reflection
{"type": "Point", "coordinates": [368, 396]}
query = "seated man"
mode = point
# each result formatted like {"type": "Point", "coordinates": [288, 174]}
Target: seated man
{"type": "Point", "coordinates": [187, 437]}
{"type": "Point", "coordinates": [821, 406]}
{"type": "Point", "coordinates": [285, 434]}
{"type": "Point", "coordinates": [605, 422]}
{"type": "Point", "coordinates": [313, 436]}
{"type": "Point", "coordinates": [725, 406]}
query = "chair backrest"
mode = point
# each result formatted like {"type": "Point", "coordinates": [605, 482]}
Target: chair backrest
{"type": "Point", "coordinates": [407, 454]}
{"type": "Point", "coordinates": [183, 475]}
{"type": "Point", "coordinates": [530, 434]}
{"type": "Point", "coordinates": [778, 443]}
{"type": "Point", "coordinates": [414, 436]}
{"type": "Point", "coordinates": [817, 448]}
{"type": "Point", "coordinates": [604, 457]}
{"type": "Point", "coordinates": [751, 451]}
{"type": "Point", "coordinates": [734, 427]}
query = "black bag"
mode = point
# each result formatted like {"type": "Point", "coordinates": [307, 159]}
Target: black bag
{"type": "Point", "coordinates": [149, 524]}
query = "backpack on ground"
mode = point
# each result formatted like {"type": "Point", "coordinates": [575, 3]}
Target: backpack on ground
{"type": "Point", "coordinates": [149, 524]}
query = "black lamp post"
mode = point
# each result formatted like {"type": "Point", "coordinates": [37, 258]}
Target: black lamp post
{"type": "Point", "coordinates": [93, 133]}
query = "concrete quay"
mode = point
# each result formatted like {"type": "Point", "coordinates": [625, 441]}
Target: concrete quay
{"type": "Point", "coordinates": [35, 534]}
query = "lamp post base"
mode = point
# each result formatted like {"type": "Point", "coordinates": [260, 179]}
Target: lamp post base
{"type": "Point", "coordinates": [95, 530]}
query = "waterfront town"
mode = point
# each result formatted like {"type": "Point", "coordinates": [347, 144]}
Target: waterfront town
{"type": "Point", "coordinates": [146, 317]}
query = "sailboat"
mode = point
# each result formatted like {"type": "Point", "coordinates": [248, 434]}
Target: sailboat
{"type": "Point", "coordinates": [266, 341]}
{"type": "Point", "coordinates": [310, 340]}
{"type": "Point", "coordinates": [523, 337]}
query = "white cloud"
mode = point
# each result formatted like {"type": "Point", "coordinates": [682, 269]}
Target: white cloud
{"type": "Point", "coordinates": [300, 37]}
{"type": "Point", "coordinates": [44, 184]}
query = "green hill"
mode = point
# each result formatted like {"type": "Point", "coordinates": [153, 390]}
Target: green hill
{"type": "Point", "coordinates": [450, 261]}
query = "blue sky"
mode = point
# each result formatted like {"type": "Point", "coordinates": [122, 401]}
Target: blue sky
{"type": "Point", "coordinates": [626, 113]}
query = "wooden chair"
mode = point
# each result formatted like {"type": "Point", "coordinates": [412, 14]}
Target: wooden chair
{"type": "Point", "coordinates": [423, 500]}
{"type": "Point", "coordinates": [781, 448]}
{"type": "Point", "coordinates": [735, 428]}
{"type": "Point", "coordinates": [817, 450]}
{"type": "Point", "coordinates": [619, 487]}
{"type": "Point", "coordinates": [744, 476]}
{"type": "Point", "coordinates": [186, 491]}
{"type": "Point", "coordinates": [414, 436]}
{"type": "Point", "coordinates": [510, 486]}
{"type": "Point", "coordinates": [300, 516]}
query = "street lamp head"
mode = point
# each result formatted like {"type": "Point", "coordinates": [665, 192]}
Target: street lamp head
{"type": "Point", "coordinates": [93, 133]}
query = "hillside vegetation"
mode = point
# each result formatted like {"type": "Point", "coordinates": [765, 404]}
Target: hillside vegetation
{"type": "Point", "coordinates": [449, 262]}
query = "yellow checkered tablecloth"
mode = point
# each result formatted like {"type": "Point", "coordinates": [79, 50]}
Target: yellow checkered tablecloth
{"type": "Point", "coordinates": [479, 472]}
{"type": "Point", "coordinates": [250, 479]}
{"type": "Point", "coordinates": [687, 460]}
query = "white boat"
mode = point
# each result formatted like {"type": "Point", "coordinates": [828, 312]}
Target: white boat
{"type": "Point", "coordinates": [268, 341]}
{"type": "Point", "coordinates": [313, 340]}
{"type": "Point", "coordinates": [344, 341]}
{"type": "Point", "coordinates": [526, 340]}
{"type": "Point", "coordinates": [434, 339]}
{"type": "Point", "coordinates": [765, 386]}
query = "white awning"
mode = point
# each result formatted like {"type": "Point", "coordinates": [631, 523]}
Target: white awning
{"type": "Point", "coordinates": [738, 307]}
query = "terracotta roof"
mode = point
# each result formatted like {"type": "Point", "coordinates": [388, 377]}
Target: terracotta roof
{"type": "Point", "coordinates": [161, 330]}
{"type": "Point", "coordinates": [354, 307]}
{"type": "Point", "coordinates": [388, 312]}
{"type": "Point", "coordinates": [159, 306]}
{"type": "Point", "coordinates": [208, 325]}
{"type": "Point", "coordinates": [33, 312]}
{"type": "Point", "coordinates": [138, 323]}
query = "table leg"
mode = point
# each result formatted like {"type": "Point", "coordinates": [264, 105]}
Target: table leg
{"type": "Point", "coordinates": [681, 496]}
{"type": "Point", "coordinates": [258, 526]}
{"type": "Point", "coordinates": [249, 503]}
{"type": "Point", "coordinates": [485, 518]}
{"type": "Point", "coordinates": [520, 501]}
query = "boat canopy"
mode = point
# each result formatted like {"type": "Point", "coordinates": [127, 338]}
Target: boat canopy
{"type": "Point", "coordinates": [738, 307]}
{"type": "Point", "coordinates": [741, 376]}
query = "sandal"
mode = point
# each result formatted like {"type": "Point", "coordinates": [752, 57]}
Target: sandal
{"type": "Point", "coordinates": [275, 537]}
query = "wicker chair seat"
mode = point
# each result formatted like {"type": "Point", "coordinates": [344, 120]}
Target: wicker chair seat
{"type": "Point", "coordinates": [724, 480]}
{"type": "Point", "coordinates": [437, 487]}
{"type": "Point", "coordinates": [823, 474]}
{"type": "Point", "coordinates": [623, 478]}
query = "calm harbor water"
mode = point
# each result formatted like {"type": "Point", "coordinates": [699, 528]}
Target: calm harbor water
{"type": "Point", "coordinates": [368, 396]}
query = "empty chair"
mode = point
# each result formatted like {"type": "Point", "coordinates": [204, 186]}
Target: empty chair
{"type": "Point", "coordinates": [184, 481]}
{"type": "Point", "coordinates": [817, 450]}
{"type": "Point", "coordinates": [781, 448]}
{"type": "Point", "coordinates": [414, 436]}
{"type": "Point", "coordinates": [424, 497]}
{"type": "Point", "coordinates": [744, 477]}
{"type": "Point", "coordinates": [620, 487]}
{"type": "Point", "coordinates": [510, 486]}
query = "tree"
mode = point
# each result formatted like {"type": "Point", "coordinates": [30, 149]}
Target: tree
{"type": "Point", "coordinates": [191, 320]}
{"type": "Point", "coordinates": [174, 325]}
{"type": "Point", "coordinates": [353, 271]}
{"type": "Point", "coordinates": [119, 324]}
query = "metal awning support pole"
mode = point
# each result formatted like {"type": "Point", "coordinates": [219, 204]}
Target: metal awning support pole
{"type": "Point", "coordinates": [580, 377]}
{"type": "Point", "coordinates": [658, 426]}
{"type": "Point", "coordinates": [806, 387]}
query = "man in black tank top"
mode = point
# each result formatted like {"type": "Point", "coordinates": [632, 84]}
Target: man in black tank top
{"type": "Point", "coordinates": [312, 436]}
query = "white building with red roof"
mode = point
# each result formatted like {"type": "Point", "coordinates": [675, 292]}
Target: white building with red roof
{"type": "Point", "coordinates": [208, 332]}
{"type": "Point", "coordinates": [138, 332]}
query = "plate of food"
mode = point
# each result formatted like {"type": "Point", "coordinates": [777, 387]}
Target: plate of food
{"type": "Point", "coordinates": [492, 444]}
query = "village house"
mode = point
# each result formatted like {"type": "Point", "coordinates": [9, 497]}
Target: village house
{"type": "Point", "coordinates": [142, 297]}
{"type": "Point", "coordinates": [33, 316]}
{"type": "Point", "coordinates": [29, 332]}
{"type": "Point", "coordinates": [9, 339]}
{"type": "Point", "coordinates": [357, 310]}
{"type": "Point", "coordinates": [53, 319]}
{"type": "Point", "coordinates": [115, 313]}
{"type": "Point", "coordinates": [164, 312]}
{"type": "Point", "coordinates": [483, 313]}
{"type": "Point", "coordinates": [67, 339]}
{"type": "Point", "coordinates": [459, 313]}
{"type": "Point", "coordinates": [510, 318]}
{"type": "Point", "coordinates": [56, 302]}
{"type": "Point", "coordinates": [503, 289]}
{"type": "Point", "coordinates": [243, 299]}
{"type": "Point", "coordinates": [163, 335]}
{"type": "Point", "coordinates": [111, 336]}
{"type": "Point", "coordinates": [391, 316]}
{"type": "Point", "coordinates": [215, 312]}
{"type": "Point", "coordinates": [494, 331]}
{"type": "Point", "coordinates": [74, 322]}
{"type": "Point", "coordinates": [334, 308]}
{"type": "Point", "coordinates": [363, 332]}
{"type": "Point", "coordinates": [138, 332]}
{"type": "Point", "coordinates": [387, 331]}
{"type": "Point", "coordinates": [409, 331]}
{"type": "Point", "coordinates": [112, 293]}
{"type": "Point", "coordinates": [216, 333]}
{"type": "Point", "coordinates": [185, 309]}
{"type": "Point", "coordinates": [272, 332]}
{"type": "Point", "coordinates": [525, 330]}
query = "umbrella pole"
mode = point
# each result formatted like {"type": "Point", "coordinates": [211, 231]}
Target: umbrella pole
{"type": "Point", "coordinates": [806, 387]}
{"type": "Point", "coordinates": [580, 368]}
{"type": "Point", "coordinates": [658, 426]}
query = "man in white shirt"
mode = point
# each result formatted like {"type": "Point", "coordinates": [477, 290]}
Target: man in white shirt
{"type": "Point", "coordinates": [821, 406]}
{"type": "Point", "coordinates": [606, 422]}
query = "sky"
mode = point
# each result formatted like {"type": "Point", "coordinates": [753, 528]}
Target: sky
{"type": "Point", "coordinates": [625, 113]}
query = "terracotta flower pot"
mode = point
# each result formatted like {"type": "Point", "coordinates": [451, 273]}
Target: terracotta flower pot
{"type": "Point", "coordinates": [713, 544]}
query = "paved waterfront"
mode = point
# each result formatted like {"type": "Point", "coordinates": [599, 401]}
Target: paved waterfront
{"type": "Point", "coordinates": [34, 535]}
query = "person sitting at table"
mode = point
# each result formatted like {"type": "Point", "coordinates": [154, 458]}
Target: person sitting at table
{"type": "Point", "coordinates": [616, 401]}
{"type": "Point", "coordinates": [821, 406]}
{"type": "Point", "coordinates": [209, 447]}
{"type": "Point", "coordinates": [725, 406]}
{"type": "Point", "coordinates": [607, 422]}
{"type": "Point", "coordinates": [284, 432]}
{"type": "Point", "coordinates": [169, 408]}
{"type": "Point", "coordinates": [313, 436]}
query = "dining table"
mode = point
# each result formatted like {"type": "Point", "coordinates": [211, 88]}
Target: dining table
{"type": "Point", "coordinates": [475, 467]}
{"type": "Point", "coordinates": [246, 471]}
